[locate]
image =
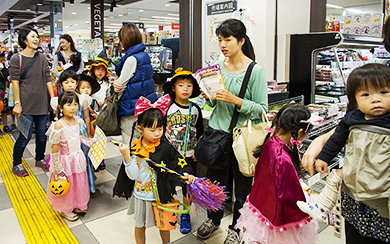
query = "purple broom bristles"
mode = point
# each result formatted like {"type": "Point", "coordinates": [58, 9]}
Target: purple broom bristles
{"type": "Point", "coordinates": [207, 195]}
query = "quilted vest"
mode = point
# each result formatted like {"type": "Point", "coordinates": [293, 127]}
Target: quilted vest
{"type": "Point", "coordinates": [141, 84]}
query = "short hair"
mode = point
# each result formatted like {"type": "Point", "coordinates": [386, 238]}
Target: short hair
{"type": "Point", "coordinates": [129, 36]}
{"type": "Point", "coordinates": [68, 74]}
{"type": "Point", "coordinates": [23, 33]}
{"type": "Point", "coordinates": [75, 59]}
{"type": "Point", "coordinates": [372, 75]}
{"type": "Point", "coordinates": [2, 54]}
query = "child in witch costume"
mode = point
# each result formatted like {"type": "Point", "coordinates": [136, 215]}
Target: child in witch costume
{"type": "Point", "coordinates": [184, 125]}
{"type": "Point", "coordinates": [270, 214]}
{"type": "Point", "coordinates": [150, 123]}
{"type": "Point", "coordinates": [99, 71]}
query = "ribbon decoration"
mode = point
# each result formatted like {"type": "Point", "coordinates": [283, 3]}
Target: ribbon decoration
{"type": "Point", "coordinates": [144, 104]}
{"type": "Point", "coordinates": [295, 142]}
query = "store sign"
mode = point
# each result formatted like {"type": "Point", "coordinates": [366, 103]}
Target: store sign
{"type": "Point", "coordinates": [222, 7]}
{"type": "Point", "coordinates": [97, 19]}
{"type": "Point", "coordinates": [175, 26]}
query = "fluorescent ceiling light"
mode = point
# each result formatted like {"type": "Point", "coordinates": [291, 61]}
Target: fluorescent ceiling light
{"type": "Point", "coordinates": [120, 15]}
{"type": "Point", "coordinates": [105, 18]}
{"type": "Point", "coordinates": [76, 24]}
{"type": "Point", "coordinates": [60, 20]}
{"type": "Point", "coordinates": [333, 6]}
{"type": "Point", "coordinates": [87, 22]}
{"type": "Point", "coordinates": [141, 10]}
{"type": "Point", "coordinates": [167, 5]}
{"type": "Point", "coordinates": [162, 17]}
{"type": "Point", "coordinates": [74, 13]}
{"type": "Point", "coordinates": [354, 10]}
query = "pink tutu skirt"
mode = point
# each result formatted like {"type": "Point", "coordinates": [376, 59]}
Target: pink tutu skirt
{"type": "Point", "coordinates": [74, 166]}
{"type": "Point", "coordinates": [253, 229]}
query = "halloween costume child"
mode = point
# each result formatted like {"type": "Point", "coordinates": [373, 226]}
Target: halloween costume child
{"type": "Point", "coordinates": [151, 124]}
{"type": "Point", "coordinates": [99, 72]}
{"type": "Point", "coordinates": [184, 127]}
{"type": "Point", "coordinates": [270, 214]}
{"type": "Point", "coordinates": [68, 158]}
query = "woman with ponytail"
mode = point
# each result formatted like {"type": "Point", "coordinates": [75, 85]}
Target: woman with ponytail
{"type": "Point", "coordinates": [270, 214]}
{"type": "Point", "coordinates": [238, 51]}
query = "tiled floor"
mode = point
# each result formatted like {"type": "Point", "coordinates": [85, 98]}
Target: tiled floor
{"type": "Point", "coordinates": [106, 220]}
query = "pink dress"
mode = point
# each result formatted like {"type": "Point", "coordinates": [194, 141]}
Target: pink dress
{"type": "Point", "coordinates": [270, 214]}
{"type": "Point", "coordinates": [74, 165]}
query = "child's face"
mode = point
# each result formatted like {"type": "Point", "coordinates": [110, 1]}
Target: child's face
{"type": "Point", "coordinates": [70, 109]}
{"type": "Point", "coordinates": [69, 84]}
{"type": "Point", "coordinates": [373, 102]}
{"type": "Point", "coordinates": [2, 60]}
{"type": "Point", "coordinates": [183, 89]}
{"type": "Point", "coordinates": [85, 88]}
{"type": "Point", "coordinates": [151, 134]}
{"type": "Point", "coordinates": [99, 72]}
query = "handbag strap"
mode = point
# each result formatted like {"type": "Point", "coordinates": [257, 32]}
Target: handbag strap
{"type": "Point", "coordinates": [29, 65]}
{"type": "Point", "coordinates": [234, 120]}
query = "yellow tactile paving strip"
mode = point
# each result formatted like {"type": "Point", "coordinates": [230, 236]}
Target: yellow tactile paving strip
{"type": "Point", "coordinates": [39, 222]}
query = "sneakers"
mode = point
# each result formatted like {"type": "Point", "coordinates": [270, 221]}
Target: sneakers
{"type": "Point", "coordinates": [206, 229]}
{"type": "Point", "coordinates": [232, 237]}
{"type": "Point", "coordinates": [185, 224]}
{"type": "Point", "coordinates": [6, 129]}
{"type": "Point", "coordinates": [41, 164]}
{"type": "Point", "coordinates": [313, 209]}
{"type": "Point", "coordinates": [69, 216]}
{"type": "Point", "coordinates": [19, 170]}
{"type": "Point", "coordinates": [101, 166]}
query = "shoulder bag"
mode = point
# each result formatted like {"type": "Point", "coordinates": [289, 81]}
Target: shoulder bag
{"type": "Point", "coordinates": [108, 119]}
{"type": "Point", "coordinates": [214, 148]}
{"type": "Point", "coordinates": [245, 139]}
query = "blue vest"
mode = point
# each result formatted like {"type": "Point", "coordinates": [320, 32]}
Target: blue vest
{"type": "Point", "coordinates": [141, 84]}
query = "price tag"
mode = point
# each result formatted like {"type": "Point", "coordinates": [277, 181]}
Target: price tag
{"type": "Point", "coordinates": [314, 179]}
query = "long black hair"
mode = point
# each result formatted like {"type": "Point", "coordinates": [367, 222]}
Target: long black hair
{"type": "Point", "coordinates": [288, 120]}
{"type": "Point", "coordinates": [151, 118]}
{"type": "Point", "coordinates": [64, 98]}
{"type": "Point", "coordinates": [234, 27]}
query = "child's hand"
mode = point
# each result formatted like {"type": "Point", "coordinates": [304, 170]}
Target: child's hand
{"type": "Point", "coordinates": [193, 157]}
{"type": "Point", "coordinates": [125, 150]}
{"type": "Point", "coordinates": [321, 166]}
{"type": "Point", "coordinates": [190, 179]}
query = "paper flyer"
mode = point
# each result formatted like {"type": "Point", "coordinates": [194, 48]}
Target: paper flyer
{"type": "Point", "coordinates": [210, 80]}
{"type": "Point", "coordinates": [98, 150]}
{"type": "Point", "coordinates": [24, 125]}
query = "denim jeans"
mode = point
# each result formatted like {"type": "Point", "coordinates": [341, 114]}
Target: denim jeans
{"type": "Point", "coordinates": [242, 188]}
{"type": "Point", "coordinates": [40, 139]}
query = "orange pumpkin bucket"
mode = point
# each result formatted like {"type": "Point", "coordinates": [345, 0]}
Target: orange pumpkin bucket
{"type": "Point", "coordinates": [166, 214]}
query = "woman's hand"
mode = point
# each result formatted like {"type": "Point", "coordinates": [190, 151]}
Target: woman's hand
{"type": "Point", "coordinates": [117, 86]}
{"type": "Point", "coordinates": [228, 97]}
{"type": "Point", "coordinates": [203, 94]}
{"type": "Point", "coordinates": [17, 110]}
{"type": "Point", "coordinates": [321, 166]}
{"type": "Point", "coordinates": [190, 179]}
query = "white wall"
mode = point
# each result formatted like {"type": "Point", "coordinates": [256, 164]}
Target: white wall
{"type": "Point", "coordinates": [293, 17]}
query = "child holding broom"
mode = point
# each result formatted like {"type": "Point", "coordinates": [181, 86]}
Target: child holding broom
{"type": "Point", "coordinates": [149, 183]}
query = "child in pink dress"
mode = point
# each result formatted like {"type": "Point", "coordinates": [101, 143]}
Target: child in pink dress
{"type": "Point", "coordinates": [68, 159]}
{"type": "Point", "coordinates": [270, 214]}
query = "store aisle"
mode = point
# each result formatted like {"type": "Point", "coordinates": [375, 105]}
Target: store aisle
{"type": "Point", "coordinates": [106, 220]}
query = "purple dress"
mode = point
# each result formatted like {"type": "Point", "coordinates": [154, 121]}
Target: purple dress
{"type": "Point", "coordinates": [270, 214]}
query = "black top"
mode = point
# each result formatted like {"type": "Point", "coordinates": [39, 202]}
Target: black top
{"type": "Point", "coordinates": [3, 78]}
{"type": "Point", "coordinates": [337, 141]}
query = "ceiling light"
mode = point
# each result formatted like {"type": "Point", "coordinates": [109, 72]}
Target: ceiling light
{"type": "Point", "coordinates": [120, 15]}
{"type": "Point", "coordinates": [162, 17]}
{"type": "Point", "coordinates": [71, 2]}
{"type": "Point", "coordinates": [66, 26]}
{"type": "Point", "coordinates": [333, 6]}
{"type": "Point", "coordinates": [60, 20]}
{"type": "Point", "coordinates": [89, 7]}
{"type": "Point", "coordinates": [111, 17]}
{"type": "Point", "coordinates": [176, 15]}
{"type": "Point", "coordinates": [87, 22]}
{"type": "Point", "coordinates": [105, 18]}
{"type": "Point", "coordinates": [40, 3]}
{"type": "Point", "coordinates": [167, 5]}
{"type": "Point", "coordinates": [344, 12]}
{"type": "Point", "coordinates": [129, 12]}
{"type": "Point", "coordinates": [74, 13]}
{"type": "Point", "coordinates": [354, 10]}
{"type": "Point", "coordinates": [141, 10]}
{"type": "Point", "coordinates": [76, 24]}
{"type": "Point", "coordinates": [116, 24]}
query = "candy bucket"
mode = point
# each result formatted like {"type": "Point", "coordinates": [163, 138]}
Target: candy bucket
{"type": "Point", "coordinates": [166, 214]}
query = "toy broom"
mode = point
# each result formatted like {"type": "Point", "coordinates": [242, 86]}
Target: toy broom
{"type": "Point", "coordinates": [203, 193]}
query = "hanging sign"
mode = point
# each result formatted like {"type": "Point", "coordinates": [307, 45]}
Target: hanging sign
{"type": "Point", "coordinates": [97, 19]}
{"type": "Point", "coordinates": [175, 26]}
{"type": "Point", "coordinates": [222, 7]}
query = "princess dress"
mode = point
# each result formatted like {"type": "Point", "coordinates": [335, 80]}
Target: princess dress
{"type": "Point", "coordinates": [270, 214]}
{"type": "Point", "coordinates": [73, 163]}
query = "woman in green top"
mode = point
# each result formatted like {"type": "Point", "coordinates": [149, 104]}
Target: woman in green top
{"type": "Point", "coordinates": [239, 53]}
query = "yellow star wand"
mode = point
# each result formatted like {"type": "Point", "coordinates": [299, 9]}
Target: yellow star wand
{"type": "Point", "coordinates": [153, 163]}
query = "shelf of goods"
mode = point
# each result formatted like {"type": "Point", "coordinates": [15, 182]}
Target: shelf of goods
{"type": "Point", "coordinates": [160, 57]}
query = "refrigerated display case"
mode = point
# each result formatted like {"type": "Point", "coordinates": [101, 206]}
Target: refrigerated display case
{"type": "Point", "coordinates": [319, 63]}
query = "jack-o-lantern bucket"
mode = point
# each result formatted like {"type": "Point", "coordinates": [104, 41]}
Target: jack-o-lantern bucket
{"type": "Point", "coordinates": [59, 185]}
{"type": "Point", "coordinates": [166, 214]}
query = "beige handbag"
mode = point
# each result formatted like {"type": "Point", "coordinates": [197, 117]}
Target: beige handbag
{"type": "Point", "coordinates": [245, 139]}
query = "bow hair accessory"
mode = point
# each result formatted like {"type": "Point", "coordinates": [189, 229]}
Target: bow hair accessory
{"type": "Point", "coordinates": [313, 120]}
{"type": "Point", "coordinates": [295, 142]}
{"type": "Point", "coordinates": [269, 129]}
{"type": "Point", "coordinates": [144, 104]}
